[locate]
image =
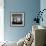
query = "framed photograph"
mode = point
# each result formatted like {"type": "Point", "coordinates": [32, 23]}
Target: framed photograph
{"type": "Point", "coordinates": [17, 19]}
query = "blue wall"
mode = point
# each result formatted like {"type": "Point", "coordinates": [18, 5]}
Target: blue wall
{"type": "Point", "coordinates": [29, 7]}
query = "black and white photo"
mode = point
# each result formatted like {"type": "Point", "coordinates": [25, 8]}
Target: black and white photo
{"type": "Point", "coordinates": [17, 19]}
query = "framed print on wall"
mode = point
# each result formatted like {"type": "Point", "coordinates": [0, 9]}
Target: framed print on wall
{"type": "Point", "coordinates": [17, 19]}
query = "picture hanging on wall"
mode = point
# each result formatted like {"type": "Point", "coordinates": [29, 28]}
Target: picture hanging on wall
{"type": "Point", "coordinates": [17, 19]}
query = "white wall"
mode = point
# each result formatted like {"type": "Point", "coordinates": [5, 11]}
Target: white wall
{"type": "Point", "coordinates": [43, 6]}
{"type": "Point", "coordinates": [1, 21]}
